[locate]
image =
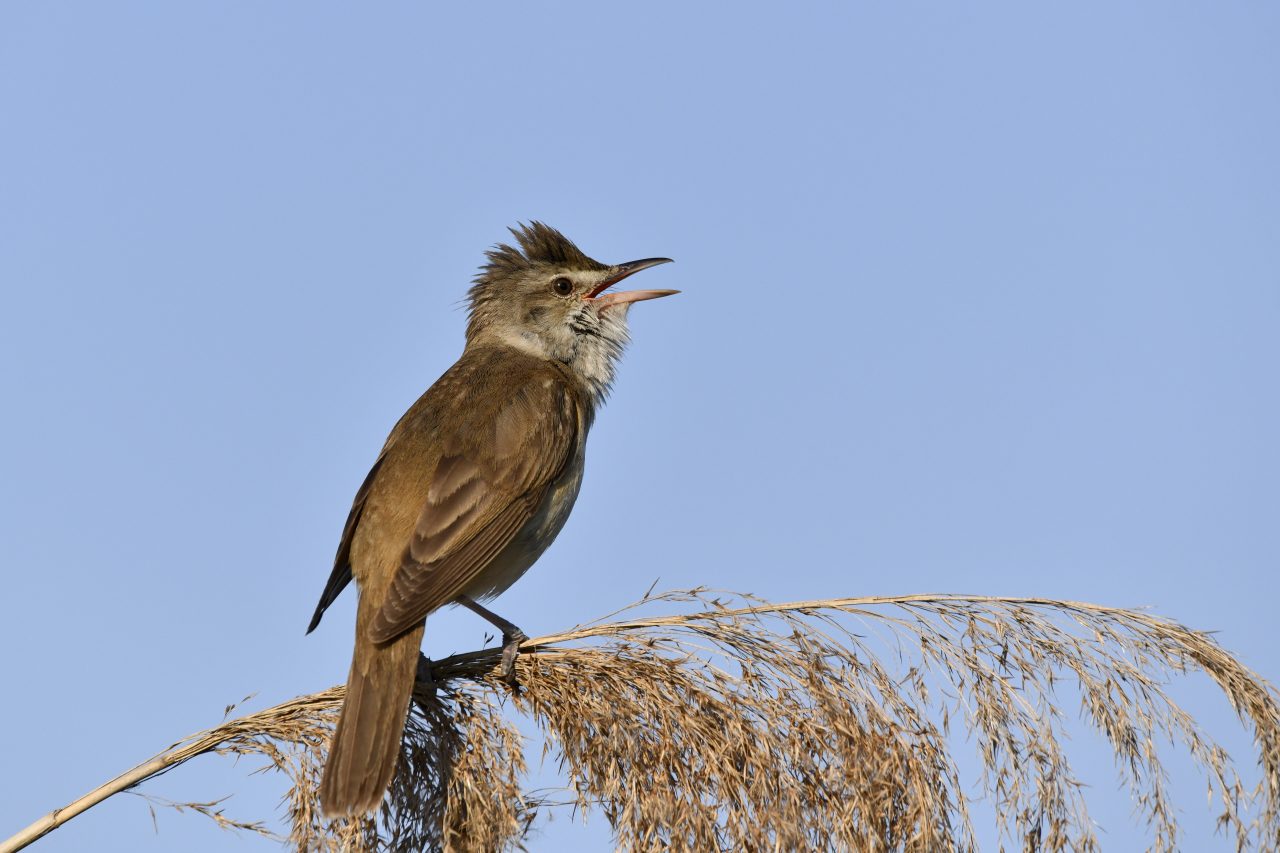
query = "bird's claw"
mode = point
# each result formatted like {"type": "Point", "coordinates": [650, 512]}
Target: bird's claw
{"type": "Point", "coordinates": [510, 651]}
{"type": "Point", "coordinates": [424, 678]}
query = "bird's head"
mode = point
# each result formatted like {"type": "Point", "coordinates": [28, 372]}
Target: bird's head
{"type": "Point", "coordinates": [549, 299]}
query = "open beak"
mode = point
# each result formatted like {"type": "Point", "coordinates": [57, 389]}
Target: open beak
{"type": "Point", "coordinates": [604, 300]}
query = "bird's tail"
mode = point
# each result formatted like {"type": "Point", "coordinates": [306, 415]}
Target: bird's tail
{"type": "Point", "coordinates": [366, 743]}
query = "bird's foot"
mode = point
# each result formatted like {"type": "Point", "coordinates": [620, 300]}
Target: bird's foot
{"type": "Point", "coordinates": [512, 637]}
{"type": "Point", "coordinates": [425, 680]}
{"type": "Point", "coordinates": [511, 641]}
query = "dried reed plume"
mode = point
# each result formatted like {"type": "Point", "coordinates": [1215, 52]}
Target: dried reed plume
{"type": "Point", "coordinates": [745, 725]}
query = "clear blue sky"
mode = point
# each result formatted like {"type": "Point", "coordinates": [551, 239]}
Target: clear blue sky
{"type": "Point", "coordinates": [977, 298]}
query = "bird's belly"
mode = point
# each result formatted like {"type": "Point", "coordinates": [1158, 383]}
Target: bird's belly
{"type": "Point", "coordinates": [535, 537]}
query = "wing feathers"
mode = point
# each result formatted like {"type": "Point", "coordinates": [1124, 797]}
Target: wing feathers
{"type": "Point", "coordinates": [462, 493]}
{"type": "Point", "coordinates": [418, 589]}
{"type": "Point", "coordinates": [341, 574]}
{"type": "Point", "coordinates": [484, 489]}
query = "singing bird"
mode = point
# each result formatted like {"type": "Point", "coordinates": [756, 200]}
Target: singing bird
{"type": "Point", "coordinates": [473, 484]}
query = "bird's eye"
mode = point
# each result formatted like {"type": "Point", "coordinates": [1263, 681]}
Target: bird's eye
{"type": "Point", "coordinates": [562, 286]}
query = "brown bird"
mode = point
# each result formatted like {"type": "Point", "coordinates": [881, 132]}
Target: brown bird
{"type": "Point", "coordinates": [473, 483]}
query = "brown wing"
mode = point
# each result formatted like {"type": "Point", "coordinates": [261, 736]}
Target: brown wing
{"type": "Point", "coordinates": [341, 574]}
{"type": "Point", "coordinates": [484, 489]}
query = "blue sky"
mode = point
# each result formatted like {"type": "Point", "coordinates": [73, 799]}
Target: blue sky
{"type": "Point", "coordinates": [977, 298]}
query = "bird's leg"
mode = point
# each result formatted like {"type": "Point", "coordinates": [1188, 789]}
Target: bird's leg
{"type": "Point", "coordinates": [512, 636]}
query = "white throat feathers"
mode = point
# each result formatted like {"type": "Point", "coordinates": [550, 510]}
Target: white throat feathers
{"type": "Point", "coordinates": [590, 345]}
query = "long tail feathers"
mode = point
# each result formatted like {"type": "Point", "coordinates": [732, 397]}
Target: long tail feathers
{"type": "Point", "coordinates": [366, 743]}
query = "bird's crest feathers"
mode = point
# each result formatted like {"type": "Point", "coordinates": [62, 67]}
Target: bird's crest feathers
{"type": "Point", "coordinates": [539, 245]}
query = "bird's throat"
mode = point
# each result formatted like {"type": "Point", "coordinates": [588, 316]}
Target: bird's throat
{"type": "Point", "coordinates": [599, 339]}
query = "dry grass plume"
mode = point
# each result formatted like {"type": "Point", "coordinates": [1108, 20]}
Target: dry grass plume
{"type": "Point", "coordinates": [736, 724]}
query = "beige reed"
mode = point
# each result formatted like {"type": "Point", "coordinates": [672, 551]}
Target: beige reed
{"type": "Point", "coordinates": [736, 724]}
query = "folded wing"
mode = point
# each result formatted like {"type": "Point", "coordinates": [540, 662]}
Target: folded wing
{"type": "Point", "coordinates": [488, 484]}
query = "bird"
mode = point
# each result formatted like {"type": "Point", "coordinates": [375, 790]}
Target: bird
{"type": "Point", "coordinates": [473, 483]}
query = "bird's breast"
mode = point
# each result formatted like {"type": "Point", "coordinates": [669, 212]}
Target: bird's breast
{"type": "Point", "coordinates": [535, 537]}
